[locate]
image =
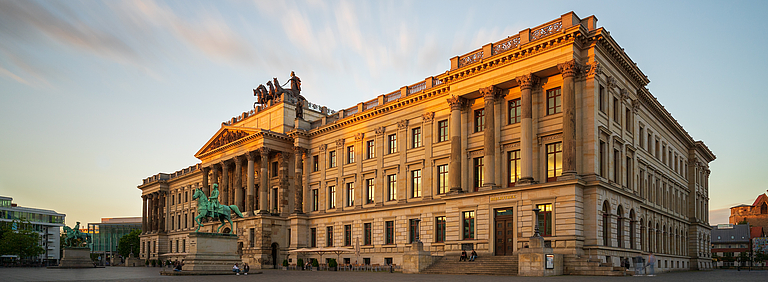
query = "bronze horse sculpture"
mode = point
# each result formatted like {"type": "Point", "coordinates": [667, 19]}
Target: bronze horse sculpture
{"type": "Point", "coordinates": [222, 212]}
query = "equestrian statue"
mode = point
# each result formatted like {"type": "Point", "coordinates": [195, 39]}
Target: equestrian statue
{"type": "Point", "coordinates": [210, 207]}
{"type": "Point", "coordinates": [276, 91]}
{"type": "Point", "coordinates": [75, 238]}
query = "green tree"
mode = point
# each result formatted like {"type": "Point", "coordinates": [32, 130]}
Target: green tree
{"type": "Point", "coordinates": [17, 238]}
{"type": "Point", "coordinates": [127, 241]}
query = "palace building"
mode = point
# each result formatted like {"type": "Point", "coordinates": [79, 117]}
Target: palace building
{"type": "Point", "coordinates": [556, 117]}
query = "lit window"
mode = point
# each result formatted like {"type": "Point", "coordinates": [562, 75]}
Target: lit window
{"type": "Point", "coordinates": [545, 219]}
{"type": "Point", "coordinates": [442, 130]}
{"type": "Point", "coordinates": [513, 159]}
{"type": "Point", "coordinates": [468, 225]}
{"type": "Point", "coordinates": [442, 179]}
{"type": "Point", "coordinates": [415, 183]}
{"type": "Point", "coordinates": [392, 142]}
{"type": "Point", "coordinates": [416, 137]}
{"type": "Point", "coordinates": [554, 161]}
{"type": "Point", "coordinates": [554, 105]}
{"type": "Point", "coordinates": [479, 120]}
{"type": "Point", "coordinates": [514, 111]}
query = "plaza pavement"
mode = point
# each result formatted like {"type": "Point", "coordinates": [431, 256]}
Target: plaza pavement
{"type": "Point", "coordinates": [146, 274]}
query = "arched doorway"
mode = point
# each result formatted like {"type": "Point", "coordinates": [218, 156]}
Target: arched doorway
{"type": "Point", "coordinates": [274, 255]}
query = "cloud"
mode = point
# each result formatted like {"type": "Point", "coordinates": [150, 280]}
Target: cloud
{"type": "Point", "coordinates": [9, 74]}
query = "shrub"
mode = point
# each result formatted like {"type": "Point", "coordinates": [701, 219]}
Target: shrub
{"type": "Point", "coordinates": [300, 263]}
{"type": "Point", "coordinates": [314, 263]}
{"type": "Point", "coordinates": [285, 262]}
{"type": "Point", "coordinates": [332, 263]}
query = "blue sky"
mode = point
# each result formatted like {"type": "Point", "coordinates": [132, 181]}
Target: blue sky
{"type": "Point", "coordinates": [97, 95]}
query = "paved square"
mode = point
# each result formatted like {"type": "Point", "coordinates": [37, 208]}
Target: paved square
{"type": "Point", "coordinates": [146, 274]}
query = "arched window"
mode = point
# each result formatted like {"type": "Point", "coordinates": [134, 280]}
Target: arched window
{"type": "Point", "coordinates": [620, 226]}
{"type": "Point", "coordinates": [606, 224]}
{"type": "Point", "coordinates": [632, 223]}
{"type": "Point", "coordinates": [656, 245]}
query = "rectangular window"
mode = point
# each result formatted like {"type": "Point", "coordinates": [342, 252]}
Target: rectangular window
{"type": "Point", "coordinates": [616, 110]}
{"type": "Point", "coordinates": [514, 111]}
{"type": "Point", "coordinates": [350, 194]}
{"type": "Point", "coordinates": [442, 130]}
{"type": "Point", "coordinates": [415, 183]}
{"type": "Point", "coordinates": [391, 187]}
{"type": "Point", "coordinates": [554, 161]}
{"type": "Point", "coordinates": [367, 234]}
{"type": "Point", "coordinates": [315, 202]}
{"type": "Point", "coordinates": [416, 137]}
{"type": "Point", "coordinates": [439, 229]}
{"type": "Point", "coordinates": [370, 149]}
{"type": "Point", "coordinates": [479, 120]}
{"type": "Point", "coordinates": [442, 179]}
{"type": "Point", "coordinates": [468, 225]}
{"type": "Point", "coordinates": [347, 235]}
{"type": "Point", "coordinates": [370, 188]}
{"type": "Point", "coordinates": [601, 159]}
{"type": "Point", "coordinates": [601, 98]}
{"type": "Point", "coordinates": [513, 167]}
{"type": "Point", "coordinates": [617, 166]}
{"type": "Point", "coordinates": [329, 236]}
{"type": "Point", "coordinates": [315, 163]}
{"type": "Point", "coordinates": [477, 173]}
{"type": "Point", "coordinates": [413, 228]}
{"type": "Point", "coordinates": [350, 154]}
{"type": "Point", "coordinates": [332, 159]}
{"type": "Point", "coordinates": [640, 137]}
{"type": "Point", "coordinates": [554, 105]}
{"type": "Point", "coordinates": [251, 237]}
{"type": "Point", "coordinates": [629, 172]}
{"type": "Point", "coordinates": [628, 119]}
{"type": "Point", "coordinates": [545, 219]}
{"type": "Point", "coordinates": [313, 237]}
{"type": "Point", "coordinates": [275, 169]}
{"type": "Point", "coordinates": [332, 197]}
{"type": "Point", "coordinates": [392, 142]}
{"type": "Point", "coordinates": [390, 232]}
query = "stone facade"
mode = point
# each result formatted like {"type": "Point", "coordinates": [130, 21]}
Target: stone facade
{"type": "Point", "coordinates": [755, 214]}
{"type": "Point", "coordinates": [555, 117]}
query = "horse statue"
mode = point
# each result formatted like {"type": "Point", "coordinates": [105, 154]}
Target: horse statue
{"type": "Point", "coordinates": [279, 90]}
{"type": "Point", "coordinates": [206, 208]}
{"type": "Point", "coordinates": [75, 238]}
{"type": "Point", "coordinates": [262, 95]}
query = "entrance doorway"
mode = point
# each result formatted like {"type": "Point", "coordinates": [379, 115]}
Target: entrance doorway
{"type": "Point", "coordinates": [274, 255]}
{"type": "Point", "coordinates": [505, 231]}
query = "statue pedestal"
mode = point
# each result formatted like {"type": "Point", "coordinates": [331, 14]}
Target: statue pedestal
{"type": "Point", "coordinates": [76, 258]}
{"type": "Point", "coordinates": [211, 253]}
{"type": "Point", "coordinates": [417, 259]}
{"type": "Point", "coordinates": [538, 260]}
{"type": "Point", "coordinates": [132, 261]}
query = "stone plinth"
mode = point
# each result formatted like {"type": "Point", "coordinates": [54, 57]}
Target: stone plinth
{"type": "Point", "coordinates": [211, 252]}
{"type": "Point", "coordinates": [417, 259]}
{"type": "Point", "coordinates": [133, 261]}
{"type": "Point", "coordinates": [76, 258]}
{"type": "Point", "coordinates": [532, 260]}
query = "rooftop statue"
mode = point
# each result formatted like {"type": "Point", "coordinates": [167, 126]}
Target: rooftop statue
{"type": "Point", "coordinates": [276, 91]}
{"type": "Point", "coordinates": [210, 207]}
{"type": "Point", "coordinates": [76, 238]}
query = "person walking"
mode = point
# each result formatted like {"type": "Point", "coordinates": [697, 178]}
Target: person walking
{"type": "Point", "coordinates": [651, 263]}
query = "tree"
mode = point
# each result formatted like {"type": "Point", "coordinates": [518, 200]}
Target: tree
{"type": "Point", "coordinates": [128, 241]}
{"type": "Point", "coordinates": [17, 239]}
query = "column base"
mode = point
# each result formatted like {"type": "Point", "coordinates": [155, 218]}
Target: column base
{"type": "Point", "coordinates": [488, 187]}
{"type": "Point", "coordinates": [262, 212]}
{"type": "Point", "coordinates": [526, 181]}
{"type": "Point", "coordinates": [568, 175]}
{"type": "Point", "coordinates": [455, 190]}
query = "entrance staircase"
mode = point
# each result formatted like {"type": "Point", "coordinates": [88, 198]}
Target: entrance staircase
{"type": "Point", "coordinates": [483, 265]}
{"type": "Point", "coordinates": [592, 267]}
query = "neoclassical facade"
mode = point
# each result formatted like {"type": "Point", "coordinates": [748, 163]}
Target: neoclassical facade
{"type": "Point", "coordinates": [555, 118]}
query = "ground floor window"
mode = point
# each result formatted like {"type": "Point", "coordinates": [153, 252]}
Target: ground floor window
{"type": "Point", "coordinates": [545, 219]}
{"type": "Point", "coordinates": [468, 225]}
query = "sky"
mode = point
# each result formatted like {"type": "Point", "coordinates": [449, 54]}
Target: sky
{"type": "Point", "coordinates": [97, 95]}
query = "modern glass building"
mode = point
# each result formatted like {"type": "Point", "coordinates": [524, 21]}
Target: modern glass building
{"type": "Point", "coordinates": [47, 223]}
{"type": "Point", "coordinates": [106, 235]}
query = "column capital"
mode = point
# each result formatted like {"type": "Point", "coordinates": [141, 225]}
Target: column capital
{"type": "Point", "coordinates": [239, 159]}
{"type": "Point", "coordinates": [323, 147]}
{"type": "Point", "coordinates": [225, 164]}
{"type": "Point", "coordinates": [527, 81]}
{"type": "Point", "coordinates": [380, 130]}
{"type": "Point", "coordinates": [490, 93]}
{"type": "Point", "coordinates": [359, 136]}
{"type": "Point", "coordinates": [339, 143]}
{"type": "Point", "coordinates": [206, 169]}
{"type": "Point", "coordinates": [250, 156]}
{"type": "Point", "coordinates": [299, 151]}
{"type": "Point", "coordinates": [428, 117]}
{"type": "Point", "coordinates": [456, 102]}
{"type": "Point", "coordinates": [569, 68]}
{"type": "Point", "coordinates": [402, 125]}
{"type": "Point", "coordinates": [264, 152]}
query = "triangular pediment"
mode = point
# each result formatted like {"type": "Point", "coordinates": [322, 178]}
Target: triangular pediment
{"type": "Point", "coordinates": [226, 135]}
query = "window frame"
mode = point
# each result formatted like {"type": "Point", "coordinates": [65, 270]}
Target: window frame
{"type": "Point", "coordinates": [332, 159]}
{"type": "Point", "coordinates": [554, 101]}
{"type": "Point", "coordinates": [416, 183]}
{"type": "Point", "coordinates": [315, 199]}
{"type": "Point", "coordinates": [513, 167]}
{"type": "Point", "coordinates": [416, 137]}
{"type": "Point", "coordinates": [348, 235]}
{"type": "Point", "coordinates": [370, 186]}
{"type": "Point", "coordinates": [477, 173]}
{"type": "Point", "coordinates": [440, 229]}
{"type": "Point", "coordinates": [389, 232]}
{"type": "Point", "coordinates": [391, 187]}
{"type": "Point", "coordinates": [332, 197]}
{"type": "Point", "coordinates": [392, 143]}
{"type": "Point", "coordinates": [557, 151]}
{"type": "Point", "coordinates": [547, 210]}
{"type": "Point", "coordinates": [479, 120]}
{"type": "Point", "coordinates": [468, 225]}
{"type": "Point", "coordinates": [370, 147]}
{"type": "Point", "coordinates": [442, 130]}
{"type": "Point", "coordinates": [329, 236]}
{"type": "Point", "coordinates": [442, 179]}
{"type": "Point", "coordinates": [313, 237]}
{"type": "Point", "coordinates": [350, 193]}
{"type": "Point", "coordinates": [315, 163]}
{"type": "Point", "coordinates": [367, 234]}
{"type": "Point", "coordinates": [350, 154]}
{"type": "Point", "coordinates": [514, 111]}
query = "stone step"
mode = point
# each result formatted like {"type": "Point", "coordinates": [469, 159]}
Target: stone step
{"type": "Point", "coordinates": [487, 265]}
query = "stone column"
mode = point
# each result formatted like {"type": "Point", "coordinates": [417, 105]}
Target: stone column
{"type": "Point", "coordinates": [282, 200]}
{"type": "Point", "coordinates": [454, 166]}
{"type": "Point", "coordinates": [381, 180]}
{"type": "Point", "coordinates": [305, 180]}
{"type": "Point", "coordinates": [249, 204]}
{"type": "Point", "coordinates": [152, 212]}
{"type": "Point", "coordinates": [216, 169]}
{"type": "Point", "coordinates": [143, 214]}
{"type": "Point", "coordinates": [569, 70]}
{"type": "Point", "coordinates": [403, 174]}
{"type": "Point", "coordinates": [428, 185]}
{"type": "Point", "coordinates": [298, 153]}
{"type": "Point", "coordinates": [359, 180]}
{"type": "Point", "coordinates": [206, 189]}
{"type": "Point", "coordinates": [224, 185]}
{"type": "Point", "coordinates": [163, 211]}
{"type": "Point", "coordinates": [239, 183]}
{"type": "Point", "coordinates": [489, 148]}
{"type": "Point", "coordinates": [264, 177]}
{"type": "Point", "coordinates": [527, 135]}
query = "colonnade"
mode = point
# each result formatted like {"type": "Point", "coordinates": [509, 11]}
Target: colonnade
{"type": "Point", "coordinates": [153, 215]}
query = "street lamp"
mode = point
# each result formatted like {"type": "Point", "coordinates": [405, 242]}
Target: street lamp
{"type": "Point", "coordinates": [536, 222]}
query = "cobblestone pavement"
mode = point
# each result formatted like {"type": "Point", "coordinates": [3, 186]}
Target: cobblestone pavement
{"type": "Point", "coordinates": [145, 274]}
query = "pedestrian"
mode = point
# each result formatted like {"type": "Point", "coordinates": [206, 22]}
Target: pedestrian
{"type": "Point", "coordinates": [463, 256]}
{"type": "Point", "coordinates": [651, 263]}
{"type": "Point", "coordinates": [236, 269]}
{"type": "Point", "coordinates": [246, 268]}
{"type": "Point", "coordinates": [473, 256]}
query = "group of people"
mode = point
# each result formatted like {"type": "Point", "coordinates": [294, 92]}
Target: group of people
{"type": "Point", "coordinates": [471, 257]}
{"type": "Point", "coordinates": [237, 270]}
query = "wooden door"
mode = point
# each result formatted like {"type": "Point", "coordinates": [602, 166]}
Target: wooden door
{"type": "Point", "coordinates": [504, 237]}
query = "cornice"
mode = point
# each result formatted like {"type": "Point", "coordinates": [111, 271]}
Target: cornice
{"type": "Point", "coordinates": [259, 133]}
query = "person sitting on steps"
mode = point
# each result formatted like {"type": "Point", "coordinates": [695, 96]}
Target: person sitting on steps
{"type": "Point", "coordinates": [463, 256]}
{"type": "Point", "coordinates": [473, 256]}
